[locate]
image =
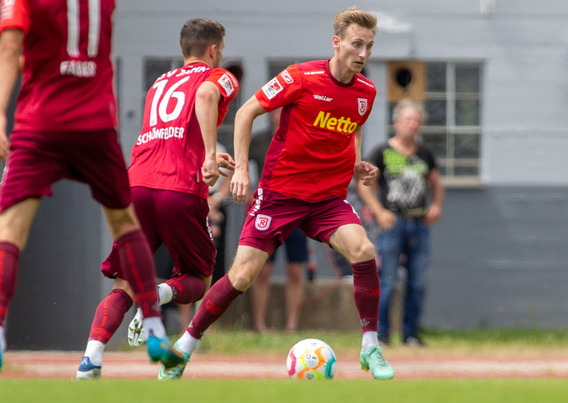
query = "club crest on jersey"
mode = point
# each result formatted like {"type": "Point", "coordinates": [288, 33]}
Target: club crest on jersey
{"type": "Point", "coordinates": [287, 77]}
{"type": "Point", "coordinates": [362, 105]}
{"type": "Point", "coordinates": [227, 84]}
{"type": "Point", "coordinates": [272, 88]}
{"type": "Point", "coordinates": [262, 222]}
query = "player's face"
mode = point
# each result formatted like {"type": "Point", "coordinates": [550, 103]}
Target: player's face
{"type": "Point", "coordinates": [408, 123]}
{"type": "Point", "coordinates": [355, 47]}
{"type": "Point", "coordinates": [218, 55]}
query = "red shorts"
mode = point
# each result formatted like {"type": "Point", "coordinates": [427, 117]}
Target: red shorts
{"type": "Point", "coordinates": [274, 216]}
{"type": "Point", "coordinates": [177, 219]}
{"type": "Point", "coordinates": [39, 159]}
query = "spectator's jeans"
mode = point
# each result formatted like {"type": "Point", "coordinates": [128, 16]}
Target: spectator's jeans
{"type": "Point", "coordinates": [411, 238]}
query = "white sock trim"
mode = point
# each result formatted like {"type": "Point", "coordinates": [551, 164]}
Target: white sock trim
{"type": "Point", "coordinates": [370, 339]}
{"type": "Point", "coordinates": [95, 351]}
{"type": "Point", "coordinates": [187, 343]}
{"type": "Point", "coordinates": [165, 293]}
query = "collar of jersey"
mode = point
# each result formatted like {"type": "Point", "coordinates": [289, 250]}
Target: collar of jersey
{"type": "Point", "coordinates": [328, 72]}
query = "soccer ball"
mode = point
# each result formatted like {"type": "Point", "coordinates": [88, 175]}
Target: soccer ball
{"type": "Point", "coordinates": [311, 359]}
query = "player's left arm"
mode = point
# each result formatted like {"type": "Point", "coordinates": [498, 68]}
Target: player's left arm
{"type": "Point", "coordinates": [10, 44]}
{"type": "Point", "coordinates": [365, 172]}
{"type": "Point", "coordinates": [207, 100]}
{"type": "Point", "coordinates": [434, 212]}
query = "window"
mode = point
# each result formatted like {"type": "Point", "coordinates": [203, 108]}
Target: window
{"type": "Point", "coordinates": [453, 127]}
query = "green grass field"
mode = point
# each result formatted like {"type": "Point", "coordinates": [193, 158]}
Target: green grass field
{"type": "Point", "coordinates": [254, 391]}
{"type": "Point", "coordinates": [509, 342]}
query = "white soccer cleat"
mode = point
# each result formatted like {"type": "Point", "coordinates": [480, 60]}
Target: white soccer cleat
{"type": "Point", "coordinates": [135, 330]}
{"type": "Point", "coordinates": [87, 370]}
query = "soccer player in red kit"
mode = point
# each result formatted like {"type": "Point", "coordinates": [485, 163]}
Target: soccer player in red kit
{"type": "Point", "coordinates": [310, 162]}
{"type": "Point", "coordinates": [174, 162]}
{"type": "Point", "coordinates": [65, 128]}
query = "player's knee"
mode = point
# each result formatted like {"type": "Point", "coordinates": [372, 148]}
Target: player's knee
{"type": "Point", "coordinates": [365, 252]}
{"type": "Point", "coordinates": [242, 280]}
{"type": "Point", "coordinates": [122, 285]}
{"type": "Point", "coordinates": [14, 235]}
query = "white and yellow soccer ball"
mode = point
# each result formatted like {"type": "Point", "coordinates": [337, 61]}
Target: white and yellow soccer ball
{"type": "Point", "coordinates": [311, 359]}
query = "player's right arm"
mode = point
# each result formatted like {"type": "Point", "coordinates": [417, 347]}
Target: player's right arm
{"type": "Point", "coordinates": [10, 44]}
{"type": "Point", "coordinates": [207, 100]}
{"type": "Point", "coordinates": [240, 182]}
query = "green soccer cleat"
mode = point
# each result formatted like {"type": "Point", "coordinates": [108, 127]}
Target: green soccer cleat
{"type": "Point", "coordinates": [176, 372]}
{"type": "Point", "coordinates": [160, 349]}
{"type": "Point", "coordinates": [372, 359]}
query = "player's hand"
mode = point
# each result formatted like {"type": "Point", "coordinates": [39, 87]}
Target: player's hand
{"type": "Point", "coordinates": [210, 170]}
{"type": "Point", "coordinates": [4, 143]}
{"type": "Point", "coordinates": [366, 172]}
{"type": "Point", "coordinates": [386, 220]}
{"type": "Point", "coordinates": [240, 184]}
{"type": "Point", "coordinates": [433, 215]}
{"type": "Point", "coordinates": [224, 160]}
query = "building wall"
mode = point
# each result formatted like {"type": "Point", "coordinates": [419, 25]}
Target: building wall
{"type": "Point", "coordinates": [523, 48]}
{"type": "Point", "coordinates": [498, 257]}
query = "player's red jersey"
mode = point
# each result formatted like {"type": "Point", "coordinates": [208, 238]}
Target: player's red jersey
{"type": "Point", "coordinates": [170, 151]}
{"type": "Point", "coordinates": [312, 154]}
{"type": "Point", "coordinates": [68, 76]}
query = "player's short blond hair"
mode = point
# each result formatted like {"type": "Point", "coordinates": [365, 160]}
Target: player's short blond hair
{"type": "Point", "coordinates": [198, 34]}
{"type": "Point", "coordinates": [353, 16]}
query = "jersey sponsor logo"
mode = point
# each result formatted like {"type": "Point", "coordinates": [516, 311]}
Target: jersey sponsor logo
{"type": "Point", "coordinates": [227, 84]}
{"type": "Point", "coordinates": [184, 71]}
{"type": "Point", "coordinates": [78, 68]}
{"type": "Point", "coordinates": [162, 134]}
{"type": "Point", "coordinates": [362, 105]}
{"type": "Point", "coordinates": [272, 88]}
{"type": "Point", "coordinates": [287, 77]}
{"type": "Point", "coordinates": [7, 11]}
{"type": "Point", "coordinates": [342, 124]}
{"type": "Point", "coordinates": [262, 222]}
{"type": "Point", "coordinates": [323, 98]}
{"type": "Point", "coordinates": [311, 73]}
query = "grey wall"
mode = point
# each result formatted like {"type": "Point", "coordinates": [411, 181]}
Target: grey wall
{"type": "Point", "coordinates": [59, 283]}
{"type": "Point", "coordinates": [499, 259]}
